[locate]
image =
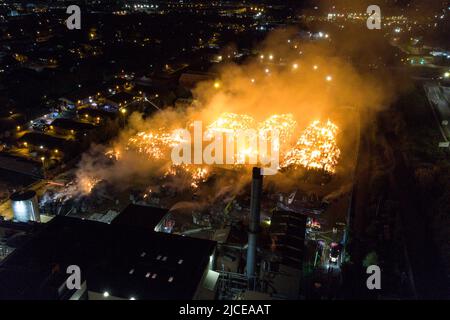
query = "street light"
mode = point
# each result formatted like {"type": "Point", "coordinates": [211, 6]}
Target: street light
{"type": "Point", "coordinates": [43, 166]}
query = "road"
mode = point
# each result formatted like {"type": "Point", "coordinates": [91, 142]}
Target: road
{"type": "Point", "coordinates": [336, 220]}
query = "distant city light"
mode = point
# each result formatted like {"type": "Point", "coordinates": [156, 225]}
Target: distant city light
{"type": "Point", "coordinates": [106, 294]}
{"type": "Point", "coordinates": [328, 78]}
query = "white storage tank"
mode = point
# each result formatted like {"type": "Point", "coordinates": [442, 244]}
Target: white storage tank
{"type": "Point", "coordinates": [24, 205]}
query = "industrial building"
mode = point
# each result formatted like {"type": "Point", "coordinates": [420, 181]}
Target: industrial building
{"type": "Point", "coordinates": [116, 262]}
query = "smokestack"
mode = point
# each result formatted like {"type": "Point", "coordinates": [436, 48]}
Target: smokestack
{"type": "Point", "coordinates": [253, 230]}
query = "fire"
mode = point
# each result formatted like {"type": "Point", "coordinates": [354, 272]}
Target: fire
{"type": "Point", "coordinates": [155, 145]}
{"type": "Point", "coordinates": [230, 123]}
{"type": "Point", "coordinates": [316, 148]}
{"type": "Point", "coordinates": [86, 184]}
{"type": "Point", "coordinates": [196, 174]}
{"type": "Point", "coordinates": [199, 175]}
{"type": "Point", "coordinates": [285, 124]}
{"type": "Point", "coordinates": [81, 186]}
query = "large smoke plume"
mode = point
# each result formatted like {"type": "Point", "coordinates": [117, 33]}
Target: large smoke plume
{"type": "Point", "coordinates": [288, 75]}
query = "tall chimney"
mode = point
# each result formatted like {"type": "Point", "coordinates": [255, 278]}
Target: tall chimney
{"type": "Point", "coordinates": [253, 230]}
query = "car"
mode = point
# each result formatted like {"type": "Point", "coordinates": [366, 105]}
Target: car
{"type": "Point", "coordinates": [335, 252]}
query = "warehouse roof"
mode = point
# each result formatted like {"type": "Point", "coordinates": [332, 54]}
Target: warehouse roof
{"type": "Point", "coordinates": [140, 216]}
{"type": "Point", "coordinates": [125, 261]}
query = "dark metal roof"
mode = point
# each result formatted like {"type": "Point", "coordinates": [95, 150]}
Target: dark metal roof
{"type": "Point", "coordinates": [70, 124]}
{"type": "Point", "coordinates": [140, 216]}
{"type": "Point", "coordinates": [106, 254]}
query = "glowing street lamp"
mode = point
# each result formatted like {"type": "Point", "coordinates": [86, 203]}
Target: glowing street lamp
{"type": "Point", "coordinates": [328, 78]}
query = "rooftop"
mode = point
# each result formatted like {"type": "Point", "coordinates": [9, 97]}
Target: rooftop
{"type": "Point", "coordinates": [122, 260]}
{"type": "Point", "coordinates": [121, 97]}
{"type": "Point", "coordinates": [70, 124]}
{"type": "Point", "coordinates": [140, 216]}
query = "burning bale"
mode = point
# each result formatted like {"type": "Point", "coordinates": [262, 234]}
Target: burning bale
{"type": "Point", "coordinates": [316, 148]}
